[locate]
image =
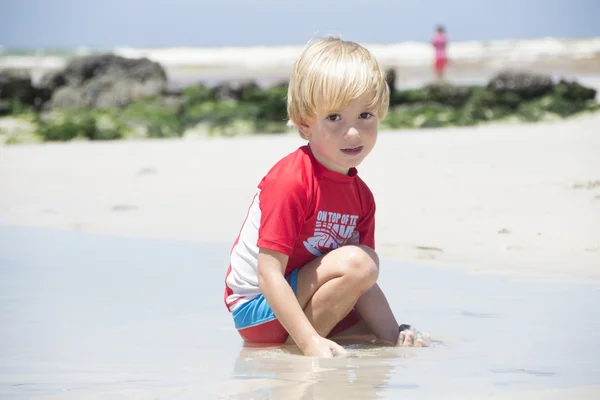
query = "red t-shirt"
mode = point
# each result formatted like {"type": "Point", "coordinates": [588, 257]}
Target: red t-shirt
{"type": "Point", "coordinates": [303, 210]}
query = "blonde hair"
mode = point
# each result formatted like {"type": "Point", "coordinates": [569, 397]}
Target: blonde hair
{"type": "Point", "coordinates": [330, 74]}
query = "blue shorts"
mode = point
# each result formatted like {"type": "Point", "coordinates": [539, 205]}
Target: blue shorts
{"type": "Point", "coordinates": [256, 322]}
{"type": "Point", "coordinates": [258, 311]}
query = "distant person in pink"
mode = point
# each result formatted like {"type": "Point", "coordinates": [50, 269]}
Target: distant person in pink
{"type": "Point", "coordinates": [440, 42]}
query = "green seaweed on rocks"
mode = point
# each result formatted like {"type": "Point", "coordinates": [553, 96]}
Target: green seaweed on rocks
{"type": "Point", "coordinates": [244, 108]}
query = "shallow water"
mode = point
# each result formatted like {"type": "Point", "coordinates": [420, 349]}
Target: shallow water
{"type": "Point", "coordinates": [89, 317]}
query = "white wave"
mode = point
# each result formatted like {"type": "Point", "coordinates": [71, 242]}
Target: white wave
{"type": "Point", "coordinates": [500, 52]}
{"type": "Point", "coordinates": [399, 54]}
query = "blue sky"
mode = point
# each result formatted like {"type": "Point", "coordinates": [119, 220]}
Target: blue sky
{"type": "Point", "coordinates": [157, 23]}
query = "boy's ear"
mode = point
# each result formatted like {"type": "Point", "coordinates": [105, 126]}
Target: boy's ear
{"type": "Point", "coordinates": [304, 129]}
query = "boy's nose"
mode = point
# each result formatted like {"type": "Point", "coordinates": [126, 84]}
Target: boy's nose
{"type": "Point", "coordinates": [352, 131]}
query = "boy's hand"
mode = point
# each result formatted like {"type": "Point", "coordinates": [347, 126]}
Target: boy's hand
{"type": "Point", "coordinates": [323, 348]}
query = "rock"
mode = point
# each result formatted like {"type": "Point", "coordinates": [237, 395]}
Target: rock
{"type": "Point", "coordinates": [174, 103]}
{"type": "Point", "coordinates": [448, 94]}
{"type": "Point", "coordinates": [234, 90]}
{"type": "Point", "coordinates": [16, 85]}
{"type": "Point", "coordinates": [104, 81]}
{"type": "Point", "coordinates": [574, 91]}
{"type": "Point", "coordinates": [525, 85]}
{"type": "Point", "coordinates": [443, 94]}
{"type": "Point", "coordinates": [5, 107]}
{"type": "Point", "coordinates": [52, 80]}
{"type": "Point", "coordinates": [390, 78]}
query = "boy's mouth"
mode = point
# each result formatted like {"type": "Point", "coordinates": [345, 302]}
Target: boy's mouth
{"type": "Point", "coordinates": [353, 151]}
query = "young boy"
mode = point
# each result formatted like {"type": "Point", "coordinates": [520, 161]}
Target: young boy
{"type": "Point", "coordinates": [303, 269]}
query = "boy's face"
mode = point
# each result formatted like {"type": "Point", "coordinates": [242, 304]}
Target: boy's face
{"type": "Point", "coordinates": [342, 139]}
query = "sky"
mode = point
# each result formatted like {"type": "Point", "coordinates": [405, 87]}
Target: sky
{"type": "Point", "coordinates": [169, 23]}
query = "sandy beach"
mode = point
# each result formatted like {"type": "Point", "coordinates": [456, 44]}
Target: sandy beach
{"type": "Point", "coordinates": [113, 253]}
{"type": "Point", "coordinates": [112, 260]}
{"type": "Point", "coordinates": [491, 199]}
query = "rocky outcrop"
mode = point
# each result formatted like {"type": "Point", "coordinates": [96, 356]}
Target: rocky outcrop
{"type": "Point", "coordinates": [15, 86]}
{"type": "Point", "coordinates": [103, 81]}
{"type": "Point", "coordinates": [524, 84]}
{"type": "Point", "coordinates": [105, 97]}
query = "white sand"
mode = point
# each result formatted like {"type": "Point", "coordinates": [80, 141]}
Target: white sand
{"type": "Point", "coordinates": [503, 198]}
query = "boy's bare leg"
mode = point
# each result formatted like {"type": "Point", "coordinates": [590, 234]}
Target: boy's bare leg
{"type": "Point", "coordinates": [359, 333]}
{"type": "Point", "coordinates": [329, 286]}
{"type": "Point", "coordinates": [377, 315]}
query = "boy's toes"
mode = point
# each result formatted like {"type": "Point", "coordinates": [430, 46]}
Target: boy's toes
{"type": "Point", "coordinates": [401, 339]}
{"type": "Point", "coordinates": [409, 338]}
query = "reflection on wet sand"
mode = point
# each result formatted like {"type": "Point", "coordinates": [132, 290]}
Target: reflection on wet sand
{"type": "Point", "coordinates": [283, 373]}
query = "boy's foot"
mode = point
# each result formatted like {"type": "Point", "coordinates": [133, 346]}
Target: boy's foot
{"type": "Point", "coordinates": [410, 336]}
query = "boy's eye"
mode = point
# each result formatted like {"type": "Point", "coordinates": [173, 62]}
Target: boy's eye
{"type": "Point", "coordinates": [366, 115]}
{"type": "Point", "coordinates": [334, 117]}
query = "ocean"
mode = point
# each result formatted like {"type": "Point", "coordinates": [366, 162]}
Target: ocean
{"type": "Point", "coordinates": [470, 61]}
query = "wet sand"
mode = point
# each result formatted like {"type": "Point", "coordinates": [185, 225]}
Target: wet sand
{"type": "Point", "coordinates": [96, 317]}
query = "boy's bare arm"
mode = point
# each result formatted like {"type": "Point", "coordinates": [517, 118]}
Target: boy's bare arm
{"type": "Point", "coordinates": [281, 298]}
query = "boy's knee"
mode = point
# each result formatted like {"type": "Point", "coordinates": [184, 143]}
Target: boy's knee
{"type": "Point", "coordinates": [361, 264]}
